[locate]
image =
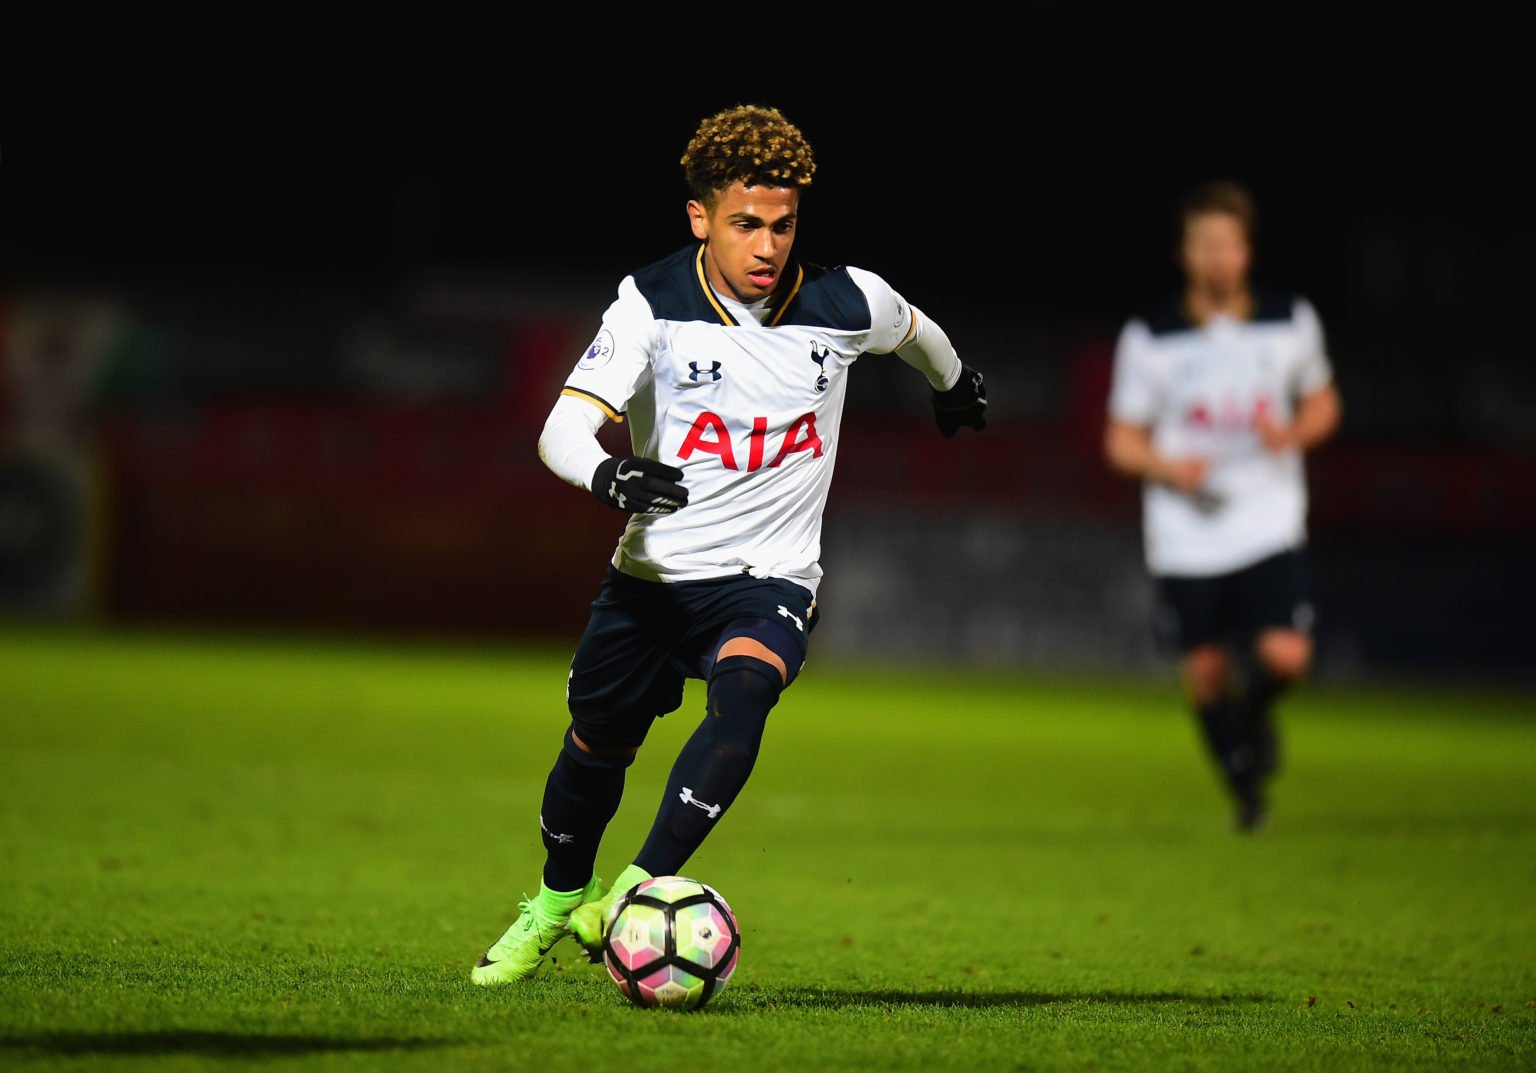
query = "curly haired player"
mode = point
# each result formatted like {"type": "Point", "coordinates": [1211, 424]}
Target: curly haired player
{"type": "Point", "coordinates": [729, 360]}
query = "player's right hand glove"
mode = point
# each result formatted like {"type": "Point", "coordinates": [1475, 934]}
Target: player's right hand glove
{"type": "Point", "coordinates": [963, 404]}
{"type": "Point", "coordinates": [639, 486]}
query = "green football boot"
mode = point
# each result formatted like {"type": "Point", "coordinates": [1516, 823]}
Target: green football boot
{"type": "Point", "coordinates": [541, 923]}
{"type": "Point", "coordinates": [589, 922]}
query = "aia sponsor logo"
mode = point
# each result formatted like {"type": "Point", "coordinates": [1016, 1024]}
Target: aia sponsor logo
{"type": "Point", "coordinates": [711, 435]}
{"type": "Point", "coordinates": [1229, 415]}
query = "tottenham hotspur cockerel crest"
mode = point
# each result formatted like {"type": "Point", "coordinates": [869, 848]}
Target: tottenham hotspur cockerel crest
{"type": "Point", "coordinates": [819, 356]}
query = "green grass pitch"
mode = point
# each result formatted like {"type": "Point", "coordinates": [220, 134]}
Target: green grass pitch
{"type": "Point", "coordinates": [215, 851]}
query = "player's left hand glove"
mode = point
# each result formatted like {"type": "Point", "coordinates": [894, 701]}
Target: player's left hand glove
{"type": "Point", "coordinates": [639, 486]}
{"type": "Point", "coordinates": [963, 404]}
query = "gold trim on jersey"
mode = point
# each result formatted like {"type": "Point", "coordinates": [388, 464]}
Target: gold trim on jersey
{"type": "Point", "coordinates": [709, 293]}
{"type": "Point", "coordinates": [587, 396]}
{"type": "Point", "coordinates": [788, 298]}
{"type": "Point", "coordinates": [911, 331]}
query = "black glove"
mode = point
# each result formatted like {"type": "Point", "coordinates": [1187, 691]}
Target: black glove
{"type": "Point", "coordinates": [639, 485]}
{"type": "Point", "coordinates": [963, 404]}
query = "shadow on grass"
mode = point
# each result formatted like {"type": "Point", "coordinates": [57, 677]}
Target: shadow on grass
{"type": "Point", "coordinates": [823, 999]}
{"type": "Point", "coordinates": [206, 1044]}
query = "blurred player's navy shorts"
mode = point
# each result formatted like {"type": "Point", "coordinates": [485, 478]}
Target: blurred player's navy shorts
{"type": "Point", "coordinates": [1195, 611]}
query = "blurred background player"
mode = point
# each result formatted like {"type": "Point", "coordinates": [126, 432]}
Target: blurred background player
{"type": "Point", "coordinates": [1215, 399]}
{"type": "Point", "coordinates": [729, 361]}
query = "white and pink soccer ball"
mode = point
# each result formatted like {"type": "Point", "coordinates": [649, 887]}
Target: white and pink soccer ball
{"type": "Point", "coordinates": [672, 942]}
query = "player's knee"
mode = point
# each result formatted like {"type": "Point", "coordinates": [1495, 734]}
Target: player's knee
{"type": "Point", "coordinates": [1285, 654]}
{"type": "Point", "coordinates": [742, 691]}
{"type": "Point", "coordinates": [587, 753]}
{"type": "Point", "coordinates": [1205, 674]}
{"type": "Point", "coordinates": [742, 645]}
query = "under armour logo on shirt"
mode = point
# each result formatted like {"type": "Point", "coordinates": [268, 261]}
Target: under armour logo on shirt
{"type": "Point", "coordinates": [712, 373]}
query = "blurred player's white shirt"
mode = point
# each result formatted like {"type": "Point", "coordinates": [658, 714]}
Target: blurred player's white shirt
{"type": "Point", "coordinates": [746, 400]}
{"type": "Point", "coordinates": [1199, 388]}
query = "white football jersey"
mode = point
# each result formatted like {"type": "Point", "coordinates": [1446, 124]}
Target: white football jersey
{"type": "Point", "coordinates": [1199, 388]}
{"type": "Point", "coordinates": [746, 400]}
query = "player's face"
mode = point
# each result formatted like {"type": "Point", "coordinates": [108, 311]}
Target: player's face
{"type": "Point", "coordinates": [1216, 254]}
{"type": "Point", "coordinates": [747, 238]}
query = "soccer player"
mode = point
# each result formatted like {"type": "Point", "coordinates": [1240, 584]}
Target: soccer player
{"type": "Point", "coordinates": [729, 360]}
{"type": "Point", "coordinates": [1215, 399]}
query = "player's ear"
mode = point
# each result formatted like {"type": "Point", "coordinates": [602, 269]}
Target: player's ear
{"type": "Point", "coordinates": [698, 217]}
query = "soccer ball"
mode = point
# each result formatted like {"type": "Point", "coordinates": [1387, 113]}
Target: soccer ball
{"type": "Point", "coordinates": [672, 942]}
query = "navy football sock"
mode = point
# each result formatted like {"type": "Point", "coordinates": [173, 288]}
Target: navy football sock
{"type": "Point", "coordinates": [1260, 691]}
{"type": "Point", "coordinates": [581, 795]}
{"type": "Point", "coordinates": [1261, 721]}
{"type": "Point", "coordinates": [1223, 724]}
{"type": "Point", "coordinates": [714, 764]}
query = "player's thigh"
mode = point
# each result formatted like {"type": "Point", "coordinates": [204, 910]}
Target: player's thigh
{"type": "Point", "coordinates": [624, 675]}
{"type": "Point", "coordinates": [747, 612]}
{"type": "Point", "coordinates": [1277, 611]}
{"type": "Point", "coordinates": [1275, 593]}
{"type": "Point", "coordinates": [1189, 614]}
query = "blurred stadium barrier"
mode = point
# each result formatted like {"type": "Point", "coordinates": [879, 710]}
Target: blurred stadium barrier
{"type": "Point", "coordinates": [338, 461]}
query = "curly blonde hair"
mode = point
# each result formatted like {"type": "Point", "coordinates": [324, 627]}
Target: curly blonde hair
{"type": "Point", "coordinates": [750, 144]}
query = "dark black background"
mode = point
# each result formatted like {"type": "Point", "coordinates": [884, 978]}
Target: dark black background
{"type": "Point", "coordinates": [1026, 158]}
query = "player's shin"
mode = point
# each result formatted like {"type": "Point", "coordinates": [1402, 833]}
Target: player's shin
{"type": "Point", "coordinates": [715, 763]}
{"type": "Point", "coordinates": [1261, 688]}
{"type": "Point", "coordinates": [581, 796]}
{"type": "Point", "coordinates": [1222, 724]}
{"type": "Point", "coordinates": [1260, 692]}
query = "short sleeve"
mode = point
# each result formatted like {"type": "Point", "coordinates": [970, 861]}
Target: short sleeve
{"type": "Point", "coordinates": [1135, 393]}
{"type": "Point", "coordinates": [618, 359]}
{"type": "Point", "coordinates": [1313, 369]}
{"type": "Point", "coordinates": [890, 314]}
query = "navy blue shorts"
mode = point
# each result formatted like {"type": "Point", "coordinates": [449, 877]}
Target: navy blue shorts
{"type": "Point", "coordinates": [644, 639]}
{"type": "Point", "coordinates": [1233, 608]}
